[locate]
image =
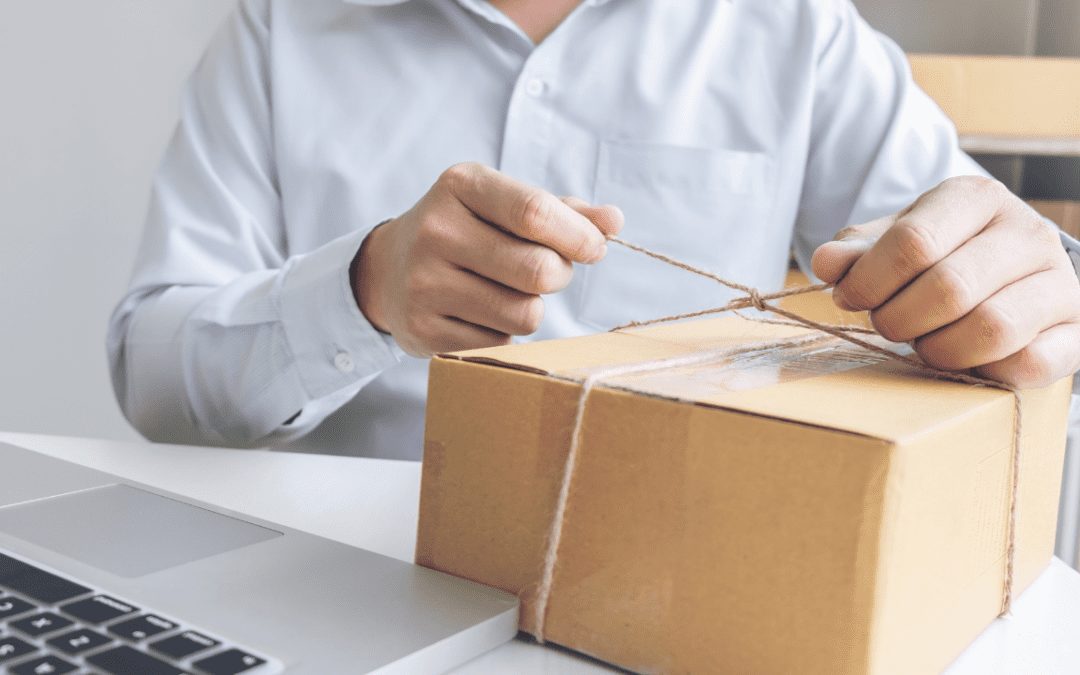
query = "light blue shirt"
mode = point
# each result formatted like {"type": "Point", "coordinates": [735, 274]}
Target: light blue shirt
{"type": "Point", "coordinates": [729, 132]}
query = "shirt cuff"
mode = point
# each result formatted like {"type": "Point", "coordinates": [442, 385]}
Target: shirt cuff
{"type": "Point", "coordinates": [332, 342]}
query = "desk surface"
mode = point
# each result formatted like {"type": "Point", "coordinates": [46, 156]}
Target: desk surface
{"type": "Point", "coordinates": [372, 503]}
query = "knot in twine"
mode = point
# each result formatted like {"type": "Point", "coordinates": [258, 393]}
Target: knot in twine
{"type": "Point", "coordinates": [752, 298]}
{"type": "Point", "coordinates": [756, 300]}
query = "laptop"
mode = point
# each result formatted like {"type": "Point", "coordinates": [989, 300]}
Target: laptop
{"type": "Point", "coordinates": [99, 574]}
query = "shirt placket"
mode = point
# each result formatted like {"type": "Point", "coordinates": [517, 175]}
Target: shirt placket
{"type": "Point", "coordinates": [527, 142]}
{"type": "Point", "coordinates": [527, 133]}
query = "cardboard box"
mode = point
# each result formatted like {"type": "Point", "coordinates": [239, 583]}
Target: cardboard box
{"type": "Point", "coordinates": [1004, 95]}
{"type": "Point", "coordinates": [809, 510]}
{"type": "Point", "coordinates": [1066, 214]}
{"type": "Point", "coordinates": [819, 305]}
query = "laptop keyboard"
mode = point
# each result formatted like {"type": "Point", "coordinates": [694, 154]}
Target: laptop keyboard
{"type": "Point", "coordinates": [50, 625]}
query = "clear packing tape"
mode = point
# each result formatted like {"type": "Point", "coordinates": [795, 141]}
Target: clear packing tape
{"type": "Point", "coordinates": [754, 366]}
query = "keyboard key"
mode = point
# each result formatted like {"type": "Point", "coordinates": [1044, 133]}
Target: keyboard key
{"type": "Point", "coordinates": [44, 665]}
{"type": "Point", "coordinates": [141, 627]}
{"type": "Point", "coordinates": [127, 660]}
{"type": "Point", "coordinates": [228, 662]}
{"type": "Point", "coordinates": [40, 624]}
{"type": "Point", "coordinates": [12, 648]}
{"type": "Point", "coordinates": [36, 583]}
{"type": "Point", "coordinates": [179, 646]}
{"type": "Point", "coordinates": [11, 606]}
{"type": "Point", "coordinates": [98, 609]}
{"type": "Point", "coordinates": [78, 641]}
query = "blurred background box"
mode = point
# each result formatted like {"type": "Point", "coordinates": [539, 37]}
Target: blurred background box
{"type": "Point", "coordinates": [993, 27]}
{"type": "Point", "coordinates": [1016, 97]}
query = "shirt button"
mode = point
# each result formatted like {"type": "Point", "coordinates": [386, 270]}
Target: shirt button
{"type": "Point", "coordinates": [535, 87]}
{"type": "Point", "coordinates": [343, 362]}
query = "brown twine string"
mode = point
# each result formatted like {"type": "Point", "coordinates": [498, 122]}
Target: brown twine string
{"type": "Point", "coordinates": [753, 298]}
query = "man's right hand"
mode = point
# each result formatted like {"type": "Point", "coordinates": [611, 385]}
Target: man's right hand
{"type": "Point", "coordinates": [466, 266]}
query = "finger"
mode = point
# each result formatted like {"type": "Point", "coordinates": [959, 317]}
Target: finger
{"type": "Point", "coordinates": [937, 224]}
{"type": "Point", "coordinates": [833, 259]}
{"type": "Point", "coordinates": [959, 283]}
{"type": "Point", "coordinates": [453, 335]}
{"type": "Point", "coordinates": [492, 253]}
{"type": "Point", "coordinates": [1004, 324]}
{"type": "Point", "coordinates": [1052, 355]}
{"type": "Point", "coordinates": [490, 305]}
{"type": "Point", "coordinates": [525, 211]}
{"type": "Point", "coordinates": [608, 218]}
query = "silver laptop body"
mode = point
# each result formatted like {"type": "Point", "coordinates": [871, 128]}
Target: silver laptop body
{"type": "Point", "coordinates": [159, 575]}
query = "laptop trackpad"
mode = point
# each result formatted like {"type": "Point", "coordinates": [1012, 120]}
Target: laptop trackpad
{"type": "Point", "coordinates": [127, 531]}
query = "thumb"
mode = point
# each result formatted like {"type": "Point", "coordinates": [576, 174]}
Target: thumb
{"type": "Point", "coordinates": [606, 217]}
{"type": "Point", "coordinates": [833, 259]}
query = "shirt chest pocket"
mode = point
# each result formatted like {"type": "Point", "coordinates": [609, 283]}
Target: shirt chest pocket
{"type": "Point", "coordinates": [708, 207]}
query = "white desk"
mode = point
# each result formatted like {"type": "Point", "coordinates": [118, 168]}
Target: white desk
{"type": "Point", "coordinates": [372, 503]}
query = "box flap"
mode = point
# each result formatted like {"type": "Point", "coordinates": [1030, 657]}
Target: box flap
{"type": "Point", "coordinates": [815, 379]}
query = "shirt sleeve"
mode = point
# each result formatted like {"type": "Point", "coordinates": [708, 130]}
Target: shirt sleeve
{"type": "Point", "coordinates": [877, 140]}
{"type": "Point", "coordinates": [222, 338]}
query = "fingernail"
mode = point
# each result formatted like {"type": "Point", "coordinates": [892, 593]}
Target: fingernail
{"type": "Point", "coordinates": [603, 252]}
{"type": "Point", "coordinates": [840, 301]}
{"type": "Point", "coordinates": [847, 243]}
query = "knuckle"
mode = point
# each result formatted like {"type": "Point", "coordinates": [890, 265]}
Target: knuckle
{"type": "Point", "coordinates": [955, 293]}
{"type": "Point", "coordinates": [1033, 368]}
{"type": "Point", "coordinates": [455, 176]}
{"type": "Point", "coordinates": [534, 314]}
{"type": "Point", "coordinates": [432, 230]}
{"type": "Point", "coordinates": [543, 270]}
{"type": "Point", "coordinates": [856, 292]}
{"type": "Point", "coordinates": [888, 324]}
{"type": "Point", "coordinates": [933, 354]}
{"type": "Point", "coordinates": [423, 284]}
{"type": "Point", "coordinates": [534, 212]}
{"type": "Point", "coordinates": [917, 247]}
{"type": "Point", "coordinates": [527, 316]}
{"type": "Point", "coordinates": [583, 248]}
{"type": "Point", "coordinates": [996, 331]}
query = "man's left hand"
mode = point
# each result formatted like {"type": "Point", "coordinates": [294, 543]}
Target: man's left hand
{"type": "Point", "coordinates": [971, 276]}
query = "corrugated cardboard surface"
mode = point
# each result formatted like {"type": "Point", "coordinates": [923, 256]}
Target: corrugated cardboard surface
{"type": "Point", "coordinates": [847, 523]}
{"type": "Point", "coordinates": [1004, 96]}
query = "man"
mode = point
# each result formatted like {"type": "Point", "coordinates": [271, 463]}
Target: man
{"type": "Point", "coordinates": [269, 306]}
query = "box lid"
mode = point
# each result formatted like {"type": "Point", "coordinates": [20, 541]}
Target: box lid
{"type": "Point", "coordinates": [735, 364]}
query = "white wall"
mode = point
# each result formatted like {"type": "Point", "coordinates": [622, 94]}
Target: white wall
{"type": "Point", "coordinates": [88, 93]}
